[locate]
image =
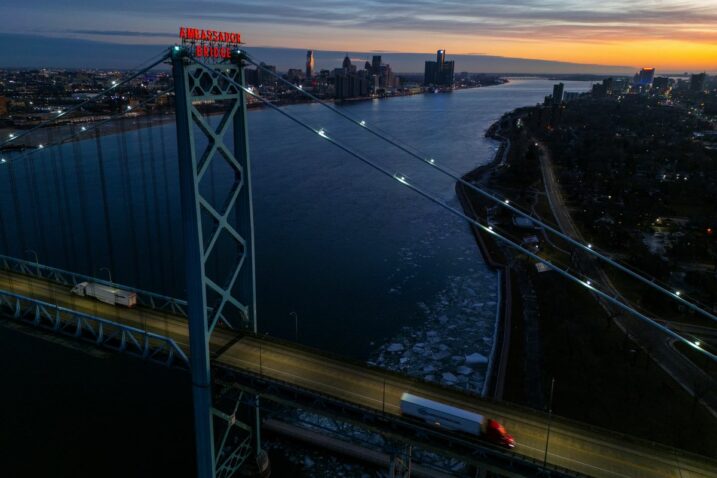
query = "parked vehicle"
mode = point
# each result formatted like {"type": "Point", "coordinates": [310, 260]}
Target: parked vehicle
{"type": "Point", "coordinates": [454, 418]}
{"type": "Point", "coordinates": [106, 294]}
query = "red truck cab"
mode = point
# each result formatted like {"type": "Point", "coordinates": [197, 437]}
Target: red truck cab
{"type": "Point", "coordinates": [497, 433]}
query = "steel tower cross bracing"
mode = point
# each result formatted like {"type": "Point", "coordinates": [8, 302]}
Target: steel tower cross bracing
{"type": "Point", "coordinates": [229, 299]}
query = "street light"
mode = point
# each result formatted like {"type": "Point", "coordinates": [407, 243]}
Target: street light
{"type": "Point", "coordinates": [37, 260]}
{"type": "Point", "coordinates": [109, 273]}
{"type": "Point", "coordinates": [550, 418]}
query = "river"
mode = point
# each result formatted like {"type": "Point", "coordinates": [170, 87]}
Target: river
{"type": "Point", "coordinates": [354, 255]}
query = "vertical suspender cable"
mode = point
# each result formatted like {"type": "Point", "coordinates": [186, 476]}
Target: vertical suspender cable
{"type": "Point", "coordinates": [105, 201]}
{"type": "Point", "coordinates": [156, 222]}
{"type": "Point", "coordinates": [57, 200]}
{"type": "Point", "coordinates": [89, 249]}
{"type": "Point", "coordinates": [73, 245]}
{"type": "Point", "coordinates": [20, 231]}
{"type": "Point", "coordinates": [38, 223]}
{"type": "Point", "coordinates": [128, 197]}
{"type": "Point", "coordinates": [150, 243]}
{"type": "Point", "coordinates": [168, 214]}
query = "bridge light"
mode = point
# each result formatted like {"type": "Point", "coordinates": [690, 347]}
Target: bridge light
{"type": "Point", "coordinates": [11, 136]}
{"type": "Point", "coordinates": [400, 178]}
{"type": "Point", "coordinates": [301, 87]}
{"type": "Point", "coordinates": [362, 123]}
{"type": "Point", "coordinates": [507, 201]}
{"type": "Point", "coordinates": [3, 160]}
{"type": "Point", "coordinates": [697, 343]}
{"type": "Point", "coordinates": [40, 146]}
{"type": "Point", "coordinates": [322, 133]}
{"type": "Point", "coordinates": [431, 160]}
{"type": "Point", "coordinates": [590, 246]}
{"type": "Point", "coordinates": [677, 293]}
{"type": "Point", "coordinates": [129, 108]}
{"type": "Point", "coordinates": [83, 129]}
{"type": "Point", "coordinates": [587, 283]}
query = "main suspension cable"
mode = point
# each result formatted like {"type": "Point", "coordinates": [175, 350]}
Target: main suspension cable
{"type": "Point", "coordinates": [505, 203]}
{"type": "Point", "coordinates": [488, 229]}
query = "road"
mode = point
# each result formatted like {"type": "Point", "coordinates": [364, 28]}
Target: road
{"type": "Point", "coordinates": [690, 377]}
{"type": "Point", "coordinates": [572, 445]}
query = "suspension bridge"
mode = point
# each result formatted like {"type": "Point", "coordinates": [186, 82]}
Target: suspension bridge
{"type": "Point", "coordinates": [240, 377]}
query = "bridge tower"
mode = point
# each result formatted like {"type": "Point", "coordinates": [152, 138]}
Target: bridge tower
{"type": "Point", "coordinates": [218, 246]}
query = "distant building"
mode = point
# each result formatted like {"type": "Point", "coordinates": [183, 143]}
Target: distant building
{"type": "Point", "coordinates": [661, 84]}
{"type": "Point", "coordinates": [351, 85]}
{"type": "Point", "coordinates": [266, 78]}
{"type": "Point", "coordinates": [558, 93]}
{"type": "Point", "coordinates": [309, 64]}
{"type": "Point", "coordinates": [376, 65]}
{"type": "Point", "coordinates": [643, 79]}
{"type": "Point", "coordinates": [439, 72]}
{"type": "Point", "coordinates": [697, 82]}
{"type": "Point", "coordinates": [3, 107]}
{"type": "Point", "coordinates": [295, 75]}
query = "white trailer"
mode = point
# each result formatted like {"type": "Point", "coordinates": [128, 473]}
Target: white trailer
{"type": "Point", "coordinates": [106, 294]}
{"type": "Point", "coordinates": [456, 419]}
{"type": "Point", "coordinates": [441, 415]}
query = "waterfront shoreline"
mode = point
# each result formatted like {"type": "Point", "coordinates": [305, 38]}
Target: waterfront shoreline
{"type": "Point", "coordinates": [496, 373]}
{"type": "Point", "coordinates": [45, 134]}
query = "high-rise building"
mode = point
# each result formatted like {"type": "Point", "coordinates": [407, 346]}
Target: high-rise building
{"type": "Point", "coordinates": [309, 64]}
{"type": "Point", "coordinates": [558, 93]}
{"type": "Point", "coordinates": [697, 82]}
{"type": "Point", "coordinates": [376, 64]}
{"type": "Point", "coordinates": [661, 84]}
{"type": "Point", "coordinates": [439, 72]}
{"type": "Point", "coordinates": [265, 78]}
{"type": "Point", "coordinates": [347, 62]}
{"type": "Point", "coordinates": [644, 78]}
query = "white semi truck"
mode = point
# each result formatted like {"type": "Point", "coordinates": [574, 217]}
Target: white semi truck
{"type": "Point", "coordinates": [106, 294]}
{"type": "Point", "coordinates": [456, 419]}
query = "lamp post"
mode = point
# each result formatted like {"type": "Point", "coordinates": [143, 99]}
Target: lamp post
{"type": "Point", "coordinates": [37, 260]}
{"type": "Point", "coordinates": [550, 418]}
{"type": "Point", "coordinates": [109, 272]}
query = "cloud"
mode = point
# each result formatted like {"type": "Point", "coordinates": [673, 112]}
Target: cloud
{"type": "Point", "coordinates": [121, 33]}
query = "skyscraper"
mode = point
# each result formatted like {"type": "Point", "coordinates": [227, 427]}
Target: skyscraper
{"type": "Point", "coordinates": [309, 64]}
{"type": "Point", "coordinates": [439, 72]}
{"type": "Point", "coordinates": [376, 64]}
{"type": "Point", "coordinates": [644, 77]}
{"type": "Point", "coordinates": [558, 93]}
{"type": "Point", "coordinates": [697, 82]}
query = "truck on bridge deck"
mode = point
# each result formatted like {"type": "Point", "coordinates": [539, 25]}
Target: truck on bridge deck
{"type": "Point", "coordinates": [456, 419]}
{"type": "Point", "coordinates": [106, 294]}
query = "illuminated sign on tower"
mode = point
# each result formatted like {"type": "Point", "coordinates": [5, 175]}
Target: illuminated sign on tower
{"type": "Point", "coordinates": [210, 43]}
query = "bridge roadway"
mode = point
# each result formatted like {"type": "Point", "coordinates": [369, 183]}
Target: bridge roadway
{"type": "Point", "coordinates": [573, 446]}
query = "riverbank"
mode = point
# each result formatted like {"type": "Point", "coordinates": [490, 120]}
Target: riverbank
{"type": "Point", "coordinates": [138, 119]}
{"type": "Point", "coordinates": [559, 330]}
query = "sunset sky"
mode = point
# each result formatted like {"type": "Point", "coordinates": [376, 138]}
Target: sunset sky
{"type": "Point", "coordinates": [675, 35]}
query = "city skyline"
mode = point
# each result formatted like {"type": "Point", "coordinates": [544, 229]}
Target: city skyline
{"type": "Point", "coordinates": [673, 35]}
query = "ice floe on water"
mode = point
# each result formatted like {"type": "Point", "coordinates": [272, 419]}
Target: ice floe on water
{"type": "Point", "coordinates": [451, 340]}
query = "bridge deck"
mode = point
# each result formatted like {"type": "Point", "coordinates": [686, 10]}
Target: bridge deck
{"type": "Point", "coordinates": [572, 446]}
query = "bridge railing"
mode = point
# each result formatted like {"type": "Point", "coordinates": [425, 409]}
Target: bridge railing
{"type": "Point", "coordinates": [538, 417]}
{"type": "Point", "coordinates": [147, 299]}
{"type": "Point", "coordinates": [102, 332]}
